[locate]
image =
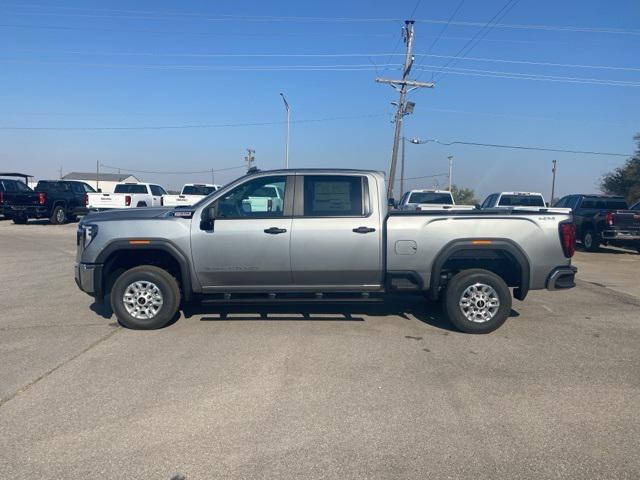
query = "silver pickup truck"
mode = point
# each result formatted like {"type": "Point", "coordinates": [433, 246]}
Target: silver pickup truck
{"type": "Point", "coordinates": [334, 239]}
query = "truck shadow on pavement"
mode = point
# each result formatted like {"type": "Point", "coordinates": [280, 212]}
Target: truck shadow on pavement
{"type": "Point", "coordinates": [429, 313]}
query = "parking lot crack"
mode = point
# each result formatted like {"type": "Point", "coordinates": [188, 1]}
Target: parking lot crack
{"type": "Point", "coordinates": [23, 389]}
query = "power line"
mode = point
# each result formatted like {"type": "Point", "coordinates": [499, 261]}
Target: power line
{"type": "Point", "coordinates": [172, 173]}
{"type": "Point", "coordinates": [151, 15]}
{"type": "Point", "coordinates": [444, 27]}
{"type": "Point", "coordinates": [521, 147]}
{"type": "Point", "coordinates": [323, 55]}
{"type": "Point", "coordinates": [531, 76]}
{"type": "Point", "coordinates": [480, 34]}
{"type": "Point", "coordinates": [203, 126]}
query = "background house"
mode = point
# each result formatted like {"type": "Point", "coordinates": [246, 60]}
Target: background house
{"type": "Point", "coordinates": [106, 181]}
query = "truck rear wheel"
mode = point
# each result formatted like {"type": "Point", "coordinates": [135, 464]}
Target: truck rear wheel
{"type": "Point", "coordinates": [590, 241]}
{"type": "Point", "coordinates": [58, 216]}
{"type": "Point", "coordinates": [145, 298]}
{"type": "Point", "coordinates": [477, 301]}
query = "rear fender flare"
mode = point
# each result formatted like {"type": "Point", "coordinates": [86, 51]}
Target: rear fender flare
{"type": "Point", "coordinates": [497, 244]}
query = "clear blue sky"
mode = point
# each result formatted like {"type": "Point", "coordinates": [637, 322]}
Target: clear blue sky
{"type": "Point", "coordinates": [72, 63]}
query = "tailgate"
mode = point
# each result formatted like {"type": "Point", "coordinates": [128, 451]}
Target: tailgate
{"type": "Point", "coordinates": [106, 200]}
{"type": "Point", "coordinates": [22, 199]}
{"type": "Point", "coordinates": [172, 200]}
{"type": "Point", "coordinates": [626, 219]}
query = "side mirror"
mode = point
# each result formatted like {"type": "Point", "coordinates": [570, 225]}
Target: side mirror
{"type": "Point", "coordinates": [547, 204]}
{"type": "Point", "coordinates": [206, 221]}
{"type": "Point", "coordinates": [478, 207]}
{"type": "Point", "coordinates": [99, 190]}
{"type": "Point", "coordinates": [391, 202]}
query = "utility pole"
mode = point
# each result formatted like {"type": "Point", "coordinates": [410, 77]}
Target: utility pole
{"type": "Point", "coordinates": [212, 177]}
{"type": "Point", "coordinates": [286, 145]}
{"type": "Point", "coordinates": [250, 158]}
{"type": "Point", "coordinates": [450, 157]}
{"type": "Point", "coordinates": [553, 183]}
{"type": "Point", "coordinates": [98, 176]}
{"type": "Point", "coordinates": [60, 171]}
{"type": "Point", "coordinates": [403, 86]}
{"type": "Point", "coordinates": [404, 142]}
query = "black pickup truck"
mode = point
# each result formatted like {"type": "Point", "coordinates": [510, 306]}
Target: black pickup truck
{"type": "Point", "coordinates": [603, 220]}
{"type": "Point", "coordinates": [9, 186]}
{"type": "Point", "coordinates": [60, 201]}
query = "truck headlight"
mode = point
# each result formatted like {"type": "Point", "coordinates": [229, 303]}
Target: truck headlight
{"type": "Point", "coordinates": [85, 234]}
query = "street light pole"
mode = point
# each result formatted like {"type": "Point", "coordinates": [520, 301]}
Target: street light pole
{"type": "Point", "coordinates": [286, 146]}
{"type": "Point", "coordinates": [404, 141]}
{"type": "Point", "coordinates": [553, 183]}
{"type": "Point", "coordinates": [450, 157]}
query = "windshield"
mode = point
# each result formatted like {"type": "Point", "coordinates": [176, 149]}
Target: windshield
{"type": "Point", "coordinates": [130, 188]}
{"type": "Point", "coordinates": [197, 190]}
{"type": "Point", "coordinates": [431, 197]}
{"type": "Point", "coordinates": [521, 201]}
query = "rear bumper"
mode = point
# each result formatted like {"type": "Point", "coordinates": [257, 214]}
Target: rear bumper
{"type": "Point", "coordinates": [621, 235]}
{"type": "Point", "coordinates": [87, 276]}
{"type": "Point", "coordinates": [562, 278]}
{"type": "Point", "coordinates": [31, 211]}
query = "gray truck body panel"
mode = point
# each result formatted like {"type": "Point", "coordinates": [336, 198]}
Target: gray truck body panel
{"type": "Point", "coordinates": [323, 254]}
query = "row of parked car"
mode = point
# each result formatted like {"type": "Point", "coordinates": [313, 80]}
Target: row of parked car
{"type": "Point", "coordinates": [62, 201]}
{"type": "Point", "coordinates": [599, 219]}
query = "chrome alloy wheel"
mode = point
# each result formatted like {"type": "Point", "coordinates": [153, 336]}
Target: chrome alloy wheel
{"type": "Point", "coordinates": [143, 300]}
{"type": "Point", "coordinates": [60, 215]}
{"type": "Point", "coordinates": [479, 303]}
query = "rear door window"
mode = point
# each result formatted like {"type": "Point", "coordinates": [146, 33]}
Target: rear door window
{"type": "Point", "coordinates": [157, 190]}
{"type": "Point", "coordinates": [334, 196]}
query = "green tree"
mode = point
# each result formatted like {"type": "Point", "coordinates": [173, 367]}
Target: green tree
{"type": "Point", "coordinates": [463, 196]}
{"type": "Point", "coordinates": [625, 180]}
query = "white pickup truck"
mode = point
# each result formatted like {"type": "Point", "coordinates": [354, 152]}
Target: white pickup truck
{"type": "Point", "coordinates": [429, 200]}
{"type": "Point", "coordinates": [514, 199]}
{"type": "Point", "coordinates": [268, 198]}
{"type": "Point", "coordinates": [190, 194]}
{"type": "Point", "coordinates": [128, 195]}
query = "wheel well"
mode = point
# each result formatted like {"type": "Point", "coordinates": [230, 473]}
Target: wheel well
{"type": "Point", "coordinates": [141, 204]}
{"type": "Point", "coordinates": [500, 262]}
{"type": "Point", "coordinates": [122, 260]}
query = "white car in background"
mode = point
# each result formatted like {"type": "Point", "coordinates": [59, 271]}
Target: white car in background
{"type": "Point", "coordinates": [190, 194]}
{"type": "Point", "coordinates": [269, 198]}
{"type": "Point", "coordinates": [514, 199]}
{"type": "Point", "coordinates": [128, 195]}
{"type": "Point", "coordinates": [427, 199]}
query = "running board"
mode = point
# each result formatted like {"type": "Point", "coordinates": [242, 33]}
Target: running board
{"type": "Point", "coordinates": [229, 298]}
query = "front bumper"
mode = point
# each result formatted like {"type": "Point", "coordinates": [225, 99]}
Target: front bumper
{"type": "Point", "coordinates": [88, 277]}
{"type": "Point", "coordinates": [562, 278]}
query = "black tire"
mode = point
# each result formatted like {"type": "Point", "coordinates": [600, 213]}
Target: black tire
{"type": "Point", "coordinates": [467, 279]}
{"type": "Point", "coordinates": [58, 216]}
{"type": "Point", "coordinates": [163, 280]}
{"type": "Point", "coordinates": [590, 241]}
{"type": "Point", "coordinates": [19, 218]}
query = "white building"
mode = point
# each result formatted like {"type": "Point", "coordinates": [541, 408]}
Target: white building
{"type": "Point", "coordinates": [105, 181]}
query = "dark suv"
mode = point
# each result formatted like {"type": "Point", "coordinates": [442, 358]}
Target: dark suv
{"type": "Point", "coordinates": [603, 219]}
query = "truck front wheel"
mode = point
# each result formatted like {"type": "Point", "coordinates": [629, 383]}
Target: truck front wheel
{"type": "Point", "coordinates": [145, 298]}
{"type": "Point", "coordinates": [590, 241]}
{"type": "Point", "coordinates": [58, 216]}
{"type": "Point", "coordinates": [477, 301]}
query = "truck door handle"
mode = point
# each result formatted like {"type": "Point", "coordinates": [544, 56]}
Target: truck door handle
{"type": "Point", "coordinates": [275, 230]}
{"type": "Point", "coordinates": [364, 230]}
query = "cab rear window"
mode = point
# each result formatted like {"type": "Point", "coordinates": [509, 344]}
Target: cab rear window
{"type": "Point", "coordinates": [521, 201]}
{"type": "Point", "coordinates": [130, 189]}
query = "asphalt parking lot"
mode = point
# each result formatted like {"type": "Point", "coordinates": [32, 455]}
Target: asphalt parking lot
{"type": "Point", "coordinates": [314, 392]}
